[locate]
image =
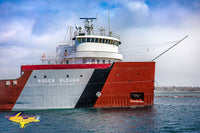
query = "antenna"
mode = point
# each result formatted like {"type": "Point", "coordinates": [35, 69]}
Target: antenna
{"type": "Point", "coordinates": [66, 34]}
{"type": "Point", "coordinates": [108, 20]}
{"type": "Point", "coordinates": [88, 25]}
{"type": "Point", "coordinates": [109, 23]}
{"type": "Point", "coordinates": [169, 48]}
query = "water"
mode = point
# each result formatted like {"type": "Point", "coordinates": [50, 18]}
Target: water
{"type": "Point", "coordinates": [169, 114]}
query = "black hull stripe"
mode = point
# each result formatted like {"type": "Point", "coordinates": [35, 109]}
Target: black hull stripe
{"type": "Point", "coordinates": [88, 98]}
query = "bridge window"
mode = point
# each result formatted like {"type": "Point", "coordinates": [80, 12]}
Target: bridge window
{"type": "Point", "coordinates": [96, 40]}
{"type": "Point", "coordinates": [104, 61]}
{"type": "Point", "coordinates": [67, 61]}
{"type": "Point", "coordinates": [88, 39]}
{"type": "Point", "coordinates": [100, 40]}
{"type": "Point", "coordinates": [92, 39]}
{"type": "Point", "coordinates": [103, 40]}
{"type": "Point", "coordinates": [111, 41]}
{"type": "Point", "coordinates": [117, 43]}
{"type": "Point", "coordinates": [108, 42]}
{"type": "Point", "coordinates": [83, 39]}
{"type": "Point", "coordinates": [97, 61]}
{"type": "Point", "coordinates": [114, 42]}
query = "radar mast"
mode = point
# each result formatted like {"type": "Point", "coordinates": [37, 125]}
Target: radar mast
{"type": "Point", "coordinates": [89, 25]}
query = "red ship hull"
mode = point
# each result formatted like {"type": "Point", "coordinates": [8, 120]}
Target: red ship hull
{"type": "Point", "coordinates": [79, 86]}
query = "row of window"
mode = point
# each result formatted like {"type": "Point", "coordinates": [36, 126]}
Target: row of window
{"type": "Point", "coordinates": [95, 61]}
{"type": "Point", "coordinates": [98, 40]}
{"type": "Point", "coordinates": [92, 61]}
{"type": "Point", "coordinates": [49, 62]}
{"type": "Point", "coordinates": [104, 61]}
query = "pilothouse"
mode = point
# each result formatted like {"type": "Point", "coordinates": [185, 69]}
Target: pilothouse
{"type": "Point", "coordinates": [87, 47]}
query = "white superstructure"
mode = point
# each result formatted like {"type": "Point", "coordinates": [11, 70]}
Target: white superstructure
{"type": "Point", "coordinates": [87, 47]}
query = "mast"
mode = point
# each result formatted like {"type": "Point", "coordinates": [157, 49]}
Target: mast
{"type": "Point", "coordinates": [69, 32]}
{"type": "Point", "coordinates": [88, 25]}
{"type": "Point", "coordinates": [109, 23]}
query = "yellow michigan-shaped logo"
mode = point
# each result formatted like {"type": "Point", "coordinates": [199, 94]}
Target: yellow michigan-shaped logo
{"type": "Point", "coordinates": [21, 120]}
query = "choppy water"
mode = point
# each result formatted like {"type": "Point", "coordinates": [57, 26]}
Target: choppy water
{"type": "Point", "coordinates": [169, 114]}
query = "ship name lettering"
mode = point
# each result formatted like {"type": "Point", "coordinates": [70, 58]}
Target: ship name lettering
{"type": "Point", "coordinates": [46, 81]}
{"type": "Point", "coordinates": [69, 80]}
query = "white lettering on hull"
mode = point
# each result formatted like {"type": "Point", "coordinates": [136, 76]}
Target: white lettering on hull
{"type": "Point", "coordinates": [70, 80]}
{"type": "Point", "coordinates": [46, 81]}
{"type": "Point", "coordinates": [61, 80]}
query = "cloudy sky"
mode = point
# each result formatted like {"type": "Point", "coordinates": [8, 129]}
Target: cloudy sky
{"type": "Point", "coordinates": [28, 29]}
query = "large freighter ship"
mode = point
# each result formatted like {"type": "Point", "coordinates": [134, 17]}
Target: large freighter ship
{"type": "Point", "coordinates": [87, 71]}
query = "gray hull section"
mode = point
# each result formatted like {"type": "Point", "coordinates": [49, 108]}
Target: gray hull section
{"type": "Point", "coordinates": [53, 89]}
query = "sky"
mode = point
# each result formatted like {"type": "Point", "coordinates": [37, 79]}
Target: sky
{"type": "Point", "coordinates": [29, 29]}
